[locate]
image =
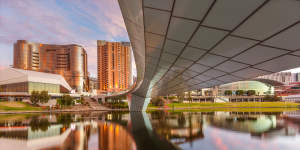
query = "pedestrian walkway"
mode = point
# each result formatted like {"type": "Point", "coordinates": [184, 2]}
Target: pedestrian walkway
{"type": "Point", "coordinates": [93, 104]}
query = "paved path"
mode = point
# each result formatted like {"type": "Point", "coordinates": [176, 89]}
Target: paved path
{"type": "Point", "coordinates": [94, 105]}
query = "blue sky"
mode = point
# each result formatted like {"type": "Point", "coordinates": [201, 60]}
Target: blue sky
{"type": "Point", "coordinates": [60, 22]}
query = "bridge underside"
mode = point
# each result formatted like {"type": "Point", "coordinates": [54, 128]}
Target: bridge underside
{"type": "Point", "coordinates": [182, 45]}
{"type": "Point", "coordinates": [269, 82]}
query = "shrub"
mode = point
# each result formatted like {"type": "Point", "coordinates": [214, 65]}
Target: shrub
{"type": "Point", "coordinates": [250, 92]}
{"type": "Point", "coordinates": [34, 97]}
{"type": "Point", "coordinates": [228, 92]}
{"type": "Point", "coordinates": [239, 92]}
{"type": "Point", "coordinates": [44, 97]}
{"type": "Point", "coordinates": [79, 101]}
{"type": "Point", "coordinates": [120, 105]}
{"type": "Point", "coordinates": [172, 97]}
{"type": "Point", "coordinates": [65, 100]}
{"type": "Point", "coordinates": [157, 101]}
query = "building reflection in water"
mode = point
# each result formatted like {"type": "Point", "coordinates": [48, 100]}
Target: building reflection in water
{"type": "Point", "coordinates": [113, 136]}
{"type": "Point", "coordinates": [188, 127]}
{"type": "Point", "coordinates": [156, 130]}
{"type": "Point", "coordinates": [62, 135]}
{"type": "Point", "coordinates": [179, 128]}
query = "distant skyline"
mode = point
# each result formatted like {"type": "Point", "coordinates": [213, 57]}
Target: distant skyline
{"type": "Point", "coordinates": [80, 22]}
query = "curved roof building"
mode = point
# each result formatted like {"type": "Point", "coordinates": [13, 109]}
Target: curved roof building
{"type": "Point", "coordinates": [23, 82]}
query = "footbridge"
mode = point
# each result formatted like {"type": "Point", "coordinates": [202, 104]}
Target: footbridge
{"type": "Point", "coordinates": [269, 82]}
{"type": "Point", "coordinates": [182, 45]}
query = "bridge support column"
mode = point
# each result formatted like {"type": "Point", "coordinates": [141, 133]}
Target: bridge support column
{"type": "Point", "coordinates": [137, 103]}
{"type": "Point", "coordinates": [143, 134]}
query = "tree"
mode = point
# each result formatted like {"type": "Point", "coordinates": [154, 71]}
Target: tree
{"type": "Point", "coordinates": [181, 120]}
{"type": "Point", "coordinates": [64, 119]}
{"type": "Point", "coordinates": [157, 101]}
{"type": "Point", "coordinates": [34, 97]}
{"type": "Point", "coordinates": [66, 100]}
{"type": "Point", "coordinates": [190, 99]}
{"type": "Point", "coordinates": [44, 124]}
{"type": "Point", "coordinates": [251, 92]}
{"type": "Point", "coordinates": [36, 124]}
{"type": "Point", "coordinates": [228, 92]}
{"type": "Point", "coordinates": [44, 97]}
{"type": "Point", "coordinates": [80, 101]}
{"type": "Point", "coordinates": [172, 97]}
{"type": "Point", "coordinates": [239, 92]}
{"type": "Point", "coordinates": [180, 97]}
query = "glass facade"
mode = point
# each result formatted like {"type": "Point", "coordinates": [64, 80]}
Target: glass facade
{"type": "Point", "coordinates": [260, 88]}
{"type": "Point", "coordinates": [29, 87]}
{"type": "Point", "coordinates": [15, 87]}
{"type": "Point", "coordinates": [51, 88]}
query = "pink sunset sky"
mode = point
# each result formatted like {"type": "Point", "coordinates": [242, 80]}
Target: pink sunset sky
{"type": "Point", "coordinates": [60, 22]}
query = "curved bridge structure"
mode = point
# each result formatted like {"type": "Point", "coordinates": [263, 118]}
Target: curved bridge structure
{"type": "Point", "coordinates": [268, 81]}
{"type": "Point", "coordinates": [182, 45]}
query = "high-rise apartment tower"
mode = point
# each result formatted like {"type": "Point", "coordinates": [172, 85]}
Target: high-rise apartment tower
{"type": "Point", "coordinates": [114, 66]}
{"type": "Point", "coordinates": [70, 61]}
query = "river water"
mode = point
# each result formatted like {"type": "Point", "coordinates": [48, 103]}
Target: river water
{"type": "Point", "coordinates": [210, 130]}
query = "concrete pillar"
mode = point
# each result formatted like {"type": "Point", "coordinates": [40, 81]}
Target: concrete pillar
{"type": "Point", "coordinates": [143, 134]}
{"type": "Point", "coordinates": [103, 100]}
{"type": "Point", "coordinates": [137, 103]}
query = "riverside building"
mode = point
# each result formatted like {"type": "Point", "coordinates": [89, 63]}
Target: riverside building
{"type": "Point", "coordinates": [69, 61]}
{"type": "Point", "coordinates": [19, 83]}
{"type": "Point", "coordinates": [114, 66]}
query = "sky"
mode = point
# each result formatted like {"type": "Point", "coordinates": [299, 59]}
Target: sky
{"type": "Point", "coordinates": [60, 22]}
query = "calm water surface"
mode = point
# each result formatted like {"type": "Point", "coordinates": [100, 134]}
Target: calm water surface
{"type": "Point", "coordinates": [148, 131]}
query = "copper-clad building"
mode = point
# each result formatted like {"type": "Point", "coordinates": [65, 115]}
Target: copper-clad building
{"type": "Point", "coordinates": [70, 61]}
{"type": "Point", "coordinates": [114, 66]}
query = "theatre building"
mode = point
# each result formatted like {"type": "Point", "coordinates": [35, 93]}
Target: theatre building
{"type": "Point", "coordinates": [17, 84]}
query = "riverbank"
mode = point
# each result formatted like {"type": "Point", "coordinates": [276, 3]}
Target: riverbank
{"type": "Point", "coordinates": [230, 104]}
{"type": "Point", "coordinates": [19, 107]}
{"type": "Point", "coordinates": [227, 106]}
{"type": "Point", "coordinates": [223, 109]}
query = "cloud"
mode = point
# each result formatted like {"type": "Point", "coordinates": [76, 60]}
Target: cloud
{"type": "Point", "coordinates": [61, 22]}
{"type": "Point", "coordinates": [2, 67]}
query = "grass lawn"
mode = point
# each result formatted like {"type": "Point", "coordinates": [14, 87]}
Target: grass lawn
{"type": "Point", "coordinates": [231, 104]}
{"type": "Point", "coordinates": [17, 106]}
{"type": "Point", "coordinates": [236, 109]}
{"type": "Point", "coordinates": [229, 107]}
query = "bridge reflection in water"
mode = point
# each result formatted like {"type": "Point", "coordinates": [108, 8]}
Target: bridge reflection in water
{"type": "Point", "coordinates": [107, 131]}
{"type": "Point", "coordinates": [141, 131]}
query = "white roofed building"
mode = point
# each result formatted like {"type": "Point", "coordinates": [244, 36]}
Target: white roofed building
{"type": "Point", "coordinates": [18, 82]}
